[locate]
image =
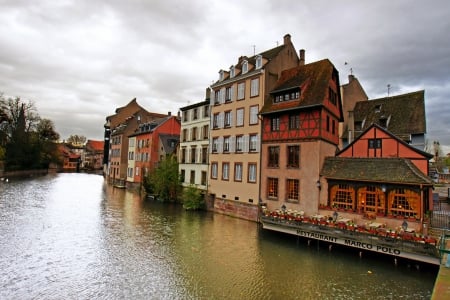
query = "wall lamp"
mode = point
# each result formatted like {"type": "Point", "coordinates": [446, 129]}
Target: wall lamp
{"type": "Point", "coordinates": [319, 186]}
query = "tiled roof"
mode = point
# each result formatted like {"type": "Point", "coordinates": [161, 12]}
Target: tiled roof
{"type": "Point", "coordinates": [392, 170]}
{"type": "Point", "coordinates": [169, 142]}
{"type": "Point", "coordinates": [268, 54]}
{"type": "Point", "coordinates": [405, 113]}
{"type": "Point", "coordinates": [95, 145]}
{"type": "Point", "coordinates": [313, 81]}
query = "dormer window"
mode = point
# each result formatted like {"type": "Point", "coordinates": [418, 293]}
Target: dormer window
{"type": "Point", "coordinates": [232, 72]}
{"type": "Point", "coordinates": [258, 61]}
{"type": "Point", "coordinates": [244, 67]}
{"type": "Point", "coordinates": [221, 75]}
{"type": "Point", "coordinates": [378, 108]}
{"type": "Point", "coordinates": [383, 121]}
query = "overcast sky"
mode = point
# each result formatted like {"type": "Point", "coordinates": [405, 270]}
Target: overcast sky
{"type": "Point", "coordinates": [80, 60]}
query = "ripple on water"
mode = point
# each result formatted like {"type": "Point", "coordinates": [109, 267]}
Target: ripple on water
{"type": "Point", "coordinates": [70, 236]}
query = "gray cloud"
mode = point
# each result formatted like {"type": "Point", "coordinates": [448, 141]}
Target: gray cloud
{"type": "Point", "coordinates": [79, 60]}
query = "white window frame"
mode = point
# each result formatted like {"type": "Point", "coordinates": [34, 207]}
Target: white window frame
{"type": "Point", "coordinates": [254, 87]}
{"type": "Point", "coordinates": [239, 143]}
{"type": "Point", "coordinates": [253, 115]}
{"type": "Point", "coordinates": [241, 91]}
{"type": "Point", "coordinates": [240, 116]}
{"type": "Point", "coordinates": [214, 169]}
{"type": "Point", "coordinates": [244, 66]}
{"type": "Point", "coordinates": [258, 61]}
{"type": "Point", "coordinates": [226, 171]}
{"type": "Point", "coordinates": [252, 172]}
{"type": "Point", "coordinates": [237, 171]}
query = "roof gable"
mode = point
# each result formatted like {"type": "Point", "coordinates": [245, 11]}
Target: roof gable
{"type": "Point", "coordinates": [389, 170]}
{"type": "Point", "coordinates": [313, 80]}
{"type": "Point", "coordinates": [403, 114]}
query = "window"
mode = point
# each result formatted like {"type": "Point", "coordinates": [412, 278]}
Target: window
{"type": "Point", "coordinates": [195, 114]}
{"type": "Point", "coordinates": [183, 155]}
{"type": "Point", "coordinates": [358, 125]}
{"type": "Point", "coordinates": [294, 122]}
{"type": "Point", "coordinates": [238, 172]}
{"type": "Point", "coordinates": [253, 143]}
{"type": "Point", "coordinates": [185, 115]}
{"type": "Point", "coordinates": [194, 133]}
{"type": "Point", "coordinates": [254, 90]}
{"type": "Point", "coordinates": [272, 187]}
{"type": "Point", "coordinates": [217, 97]}
{"type": "Point", "coordinates": [205, 132]}
{"type": "Point", "coordinates": [328, 123]}
{"type": "Point", "coordinates": [204, 155]}
{"type": "Point", "coordinates": [214, 170]}
{"type": "Point", "coordinates": [371, 199]}
{"type": "Point", "coordinates": [240, 117]}
{"type": "Point", "coordinates": [274, 154]}
{"type": "Point", "coordinates": [239, 143]}
{"type": "Point", "coordinates": [383, 121]}
{"type": "Point", "coordinates": [343, 196]}
{"type": "Point", "coordinates": [295, 94]}
{"type": "Point", "coordinates": [232, 72]}
{"type": "Point", "coordinates": [252, 172]}
{"type": "Point", "coordinates": [333, 127]}
{"type": "Point", "coordinates": [225, 171]}
{"type": "Point", "coordinates": [228, 94]}
{"type": "Point", "coordinates": [374, 143]}
{"type": "Point", "coordinates": [193, 154]}
{"type": "Point", "coordinates": [216, 120]}
{"type": "Point", "coordinates": [244, 67]}
{"type": "Point", "coordinates": [293, 156]}
{"type": "Point", "coordinates": [227, 121]}
{"type": "Point", "coordinates": [226, 144]}
{"type": "Point", "coordinates": [275, 124]}
{"type": "Point", "coordinates": [206, 111]}
{"type": "Point", "coordinates": [241, 91]}
{"type": "Point", "coordinates": [292, 189]}
{"type": "Point", "coordinates": [185, 135]}
{"type": "Point", "coordinates": [332, 96]}
{"type": "Point", "coordinates": [253, 115]}
{"type": "Point", "coordinates": [203, 179]}
{"type": "Point", "coordinates": [215, 145]}
{"type": "Point", "coordinates": [404, 202]}
{"type": "Point", "coordinates": [192, 178]}
{"type": "Point", "coordinates": [182, 175]}
{"type": "Point", "coordinates": [258, 61]}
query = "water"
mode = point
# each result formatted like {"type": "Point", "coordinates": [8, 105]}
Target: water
{"type": "Point", "coordinates": [71, 236]}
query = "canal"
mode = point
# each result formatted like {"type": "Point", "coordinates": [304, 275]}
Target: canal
{"type": "Point", "coordinates": [71, 236]}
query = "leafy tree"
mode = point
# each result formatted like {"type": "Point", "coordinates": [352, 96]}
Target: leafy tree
{"type": "Point", "coordinates": [164, 180]}
{"type": "Point", "coordinates": [47, 139]}
{"type": "Point", "coordinates": [26, 141]}
{"type": "Point", "coordinates": [192, 198]}
{"type": "Point", "coordinates": [76, 139]}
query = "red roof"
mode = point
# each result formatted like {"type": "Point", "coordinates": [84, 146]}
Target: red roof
{"type": "Point", "coordinates": [95, 145]}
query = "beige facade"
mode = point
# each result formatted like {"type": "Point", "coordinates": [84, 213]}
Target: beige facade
{"type": "Point", "coordinates": [194, 143]}
{"type": "Point", "coordinates": [236, 99]}
{"type": "Point", "coordinates": [351, 93]}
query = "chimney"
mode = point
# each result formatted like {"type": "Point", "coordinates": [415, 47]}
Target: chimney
{"type": "Point", "coordinates": [208, 93]}
{"type": "Point", "coordinates": [350, 78]}
{"type": "Point", "coordinates": [302, 57]}
{"type": "Point", "coordinates": [287, 39]}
